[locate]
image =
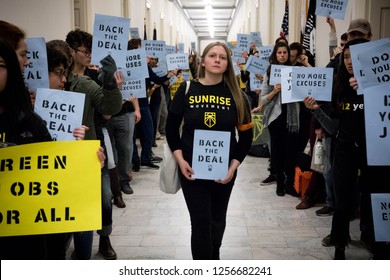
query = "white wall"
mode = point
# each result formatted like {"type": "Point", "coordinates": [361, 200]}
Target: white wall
{"type": "Point", "coordinates": [51, 19]}
{"type": "Point", "coordinates": [271, 12]}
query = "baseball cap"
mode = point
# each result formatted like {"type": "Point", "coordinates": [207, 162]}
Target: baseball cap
{"type": "Point", "coordinates": [360, 25]}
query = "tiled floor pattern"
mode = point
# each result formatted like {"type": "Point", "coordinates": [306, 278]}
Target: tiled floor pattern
{"type": "Point", "coordinates": [260, 225]}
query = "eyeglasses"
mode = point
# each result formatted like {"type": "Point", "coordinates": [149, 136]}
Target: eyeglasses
{"type": "Point", "coordinates": [87, 53]}
{"type": "Point", "coordinates": [60, 73]}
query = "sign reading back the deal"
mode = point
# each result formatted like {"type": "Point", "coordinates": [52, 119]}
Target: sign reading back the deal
{"type": "Point", "coordinates": [62, 111]}
{"type": "Point", "coordinates": [381, 215]}
{"type": "Point", "coordinates": [110, 37]}
{"type": "Point", "coordinates": [312, 81]}
{"type": "Point", "coordinates": [210, 158]}
{"type": "Point", "coordinates": [36, 72]}
{"type": "Point", "coordinates": [41, 185]}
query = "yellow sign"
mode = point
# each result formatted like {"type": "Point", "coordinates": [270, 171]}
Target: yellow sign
{"type": "Point", "coordinates": [257, 120]}
{"type": "Point", "coordinates": [50, 187]}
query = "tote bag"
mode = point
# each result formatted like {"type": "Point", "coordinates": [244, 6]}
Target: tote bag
{"type": "Point", "coordinates": [169, 169]}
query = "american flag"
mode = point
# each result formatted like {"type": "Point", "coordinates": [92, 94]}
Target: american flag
{"type": "Point", "coordinates": [284, 27]}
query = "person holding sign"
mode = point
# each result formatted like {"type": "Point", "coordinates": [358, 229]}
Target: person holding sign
{"type": "Point", "coordinates": [283, 124]}
{"type": "Point", "coordinates": [349, 159]}
{"type": "Point", "coordinates": [214, 104]}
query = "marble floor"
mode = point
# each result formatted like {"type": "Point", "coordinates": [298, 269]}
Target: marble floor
{"type": "Point", "coordinates": [260, 225]}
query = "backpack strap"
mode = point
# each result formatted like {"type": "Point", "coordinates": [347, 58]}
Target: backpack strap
{"type": "Point", "coordinates": [188, 83]}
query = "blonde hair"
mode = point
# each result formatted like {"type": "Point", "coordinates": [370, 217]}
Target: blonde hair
{"type": "Point", "coordinates": [229, 78]}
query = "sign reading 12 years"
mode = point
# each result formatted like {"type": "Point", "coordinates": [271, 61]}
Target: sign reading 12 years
{"type": "Point", "coordinates": [210, 158]}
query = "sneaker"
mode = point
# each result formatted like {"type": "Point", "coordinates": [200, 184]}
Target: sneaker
{"type": "Point", "coordinates": [268, 181]}
{"type": "Point", "coordinates": [150, 165]}
{"type": "Point", "coordinates": [136, 167]}
{"type": "Point", "coordinates": [127, 189]}
{"type": "Point", "coordinates": [327, 242]}
{"type": "Point", "coordinates": [156, 159]}
{"type": "Point", "coordinates": [325, 211]}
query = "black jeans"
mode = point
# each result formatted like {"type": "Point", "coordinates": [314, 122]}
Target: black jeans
{"type": "Point", "coordinates": [207, 203]}
{"type": "Point", "coordinates": [345, 171]}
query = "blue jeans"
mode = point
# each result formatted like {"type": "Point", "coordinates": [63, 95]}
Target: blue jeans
{"type": "Point", "coordinates": [83, 244]}
{"type": "Point", "coordinates": [328, 174]}
{"type": "Point", "coordinates": [154, 106]}
{"type": "Point", "coordinates": [145, 128]}
{"type": "Point", "coordinates": [121, 130]}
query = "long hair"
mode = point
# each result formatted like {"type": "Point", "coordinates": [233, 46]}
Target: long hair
{"type": "Point", "coordinates": [274, 60]}
{"type": "Point", "coordinates": [229, 79]}
{"type": "Point", "coordinates": [15, 98]}
{"type": "Point", "coordinates": [11, 33]}
{"type": "Point", "coordinates": [341, 87]}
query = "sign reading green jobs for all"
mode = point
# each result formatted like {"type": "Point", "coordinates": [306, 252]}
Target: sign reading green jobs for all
{"type": "Point", "coordinates": [50, 187]}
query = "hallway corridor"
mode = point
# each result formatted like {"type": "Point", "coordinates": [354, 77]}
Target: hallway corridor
{"type": "Point", "coordinates": [260, 225]}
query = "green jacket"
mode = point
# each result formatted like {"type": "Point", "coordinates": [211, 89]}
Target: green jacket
{"type": "Point", "coordinates": [107, 100]}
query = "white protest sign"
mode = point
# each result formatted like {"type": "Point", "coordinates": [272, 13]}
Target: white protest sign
{"type": "Point", "coordinates": [177, 60]}
{"type": "Point", "coordinates": [376, 62]}
{"type": "Point", "coordinates": [255, 83]}
{"type": "Point", "coordinates": [110, 37]}
{"type": "Point", "coordinates": [36, 72]}
{"type": "Point", "coordinates": [256, 65]}
{"type": "Point", "coordinates": [156, 49]}
{"type": "Point", "coordinates": [180, 48]}
{"type": "Point", "coordinates": [275, 74]}
{"type": "Point", "coordinates": [62, 111]}
{"type": "Point", "coordinates": [333, 8]}
{"type": "Point", "coordinates": [210, 157]}
{"type": "Point", "coordinates": [286, 83]}
{"type": "Point", "coordinates": [381, 216]}
{"type": "Point", "coordinates": [170, 49]}
{"type": "Point", "coordinates": [135, 73]}
{"type": "Point", "coordinates": [186, 75]}
{"type": "Point", "coordinates": [312, 81]}
{"type": "Point", "coordinates": [359, 50]}
{"type": "Point", "coordinates": [243, 45]}
{"type": "Point", "coordinates": [265, 52]}
{"type": "Point", "coordinates": [256, 38]}
{"type": "Point", "coordinates": [236, 68]}
{"type": "Point", "coordinates": [134, 33]}
{"type": "Point", "coordinates": [173, 80]}
{"type": "Point", "coordinates": [377, 123]}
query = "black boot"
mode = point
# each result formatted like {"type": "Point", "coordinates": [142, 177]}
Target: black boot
{"type": "Point", "coordinates": [280, 178]}
{"type": "Point", "coordinates": [339, 253]}
{"type": "Point", "coordinates": [106, 249]}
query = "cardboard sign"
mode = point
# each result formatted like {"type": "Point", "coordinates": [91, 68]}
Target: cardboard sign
{"type": "Point", "coordinates": [381, 215]}
{"type": "Point", "coordinates": [312, 81]}
{"type": "Point", "coordinates": [333, 8]}
{"type": "Point", "coordinates": [110, 37]}
{"type": "Point", "coordinates": [44, 188]}
{"type": "Point", "coordinates": [36, 73]}
{"type": "Point", "coordinates": [135, 73]}
{"type": "Point", "coordinates": [210, 158]}
{"type": "Point", "coordinates": [377, 123]}
{"type": "Point", "coordinates": [62, 111]}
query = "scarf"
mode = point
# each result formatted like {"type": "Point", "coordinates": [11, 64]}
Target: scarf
{"type": "Point", "coordinates": [293, 117]}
